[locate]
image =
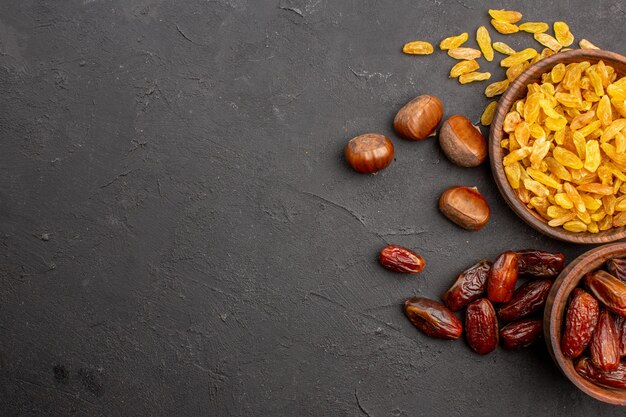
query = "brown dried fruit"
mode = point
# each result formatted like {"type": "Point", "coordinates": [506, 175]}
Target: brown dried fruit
{"type": "Point", "coordinates": [465, 207]}
{"type": "Point", "coordinates": [604, 348]}
{"type": "Point", "coordinates": [419, 118]}
{"type": "Point", "coordinates": [521, 334]}
{"type": "Point", "coordinates": [433, 318]}
{"type": "Point", "coordinates": [481, 326]}
{"type": "Point", "coordinates": [503, 278]}
{"type": "Point", "coordinates": [609, 290]}
{"type": "Point", "coordinates": [540, 263]}
{"type": "Point", "coordinates": [469, 285]}
{"type": "Point", "coordinates": [620, 326]}
{"type": "Point", "coordinates": [462, 142]}
{"type": "Point", "coordinates": [400, 259]}
{"type": "Point", "coordinates": [580, 322]}
{"type": "Point", "coordinates": [617, 267]}
{"type": "Point", "coordinates": [527, 299]}
{"type": "Point", "coordinates": [611, 379]}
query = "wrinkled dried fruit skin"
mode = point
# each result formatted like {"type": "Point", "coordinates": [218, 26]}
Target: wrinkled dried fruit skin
{"type": "Point", "coordinates": [521, 334]}
{"type": "Point", "coordinates": [540, 263]}
{"type": "Point", "coordinates": [432, 318]}
{"type": "Point", "coordinates": [481, 326]}
{"type": "Point", "coordinates": [612, 379]}
{"type": "Point", "coordinates": [617, 268]}
{"type": "Point", "coordinates": [580, 322]}
{"type": "Point", "coordinates": [609, 290]}
{"type": "Point", "coordinates": [400, 259]}
{"type": "Point", "coordinates": [620, 326]}
{"type": "Point", "coordinates": [527, 299]}
{"type": "Point", "coordinates": [469, 285]}
{"type": "Point", "coordinates": [604, 347]}
{"type": "Point", "coordinates": [503, 278]}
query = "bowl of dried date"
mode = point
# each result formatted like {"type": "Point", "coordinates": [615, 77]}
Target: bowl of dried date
{"type": "Point", "coordinates": [557, 144]}
{"type": "Point", "coordinates": [585, 323]}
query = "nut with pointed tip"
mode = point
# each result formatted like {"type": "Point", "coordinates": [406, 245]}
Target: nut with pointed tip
{"type": "Point", "coordinates": [465, 207]}
{"type": "Point", "coordinates": [419, 118]}
{"type": "Point", "coordinates": [462, 142]}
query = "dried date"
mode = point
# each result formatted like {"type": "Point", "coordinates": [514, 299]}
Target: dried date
{"type": "Point", "coordinates": [469, 285]}
{"type": "Point", "coordinates": [617, 268]}
{"type": "Point", "coordinates": [481, 326]}
{"type": "Point", "coordinates": [609, 290]}
{"type": "Point", "coordinates": [503, 278]}
{"type": "Point", "coordinates": [400, 259]}
{"type": "Point", "coordinates": [521, 334]}
{"type": "Point", "coordinates": [540, 263]}
{"type": "Point", "coordinates": [527, 299]}
{"type": "Point", "coordinates": [580, 323]}
{"type": "Point", "coordinates": [611, 379]}
{"type": "Point", "coordinates": [620, 326]}
{"type": "Point", "coordinates": [604, 348]}
{"type": "Point", "coordinates": [433, 318]}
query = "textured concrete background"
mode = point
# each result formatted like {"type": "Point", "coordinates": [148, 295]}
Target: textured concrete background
{"type": "Point", "coordinates": [181, 236]}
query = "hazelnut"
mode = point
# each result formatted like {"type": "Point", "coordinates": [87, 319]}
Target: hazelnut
{"type": "Point", "coordinates": [465, 207]}
{"type": "Point", "coordinates": [419, 118]}
{"type": "Point", "coordinates": [462, 142]}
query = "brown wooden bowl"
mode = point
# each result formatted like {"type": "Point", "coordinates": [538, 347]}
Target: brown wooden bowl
{"type": "Point", "coordinates": [554, 316]}
{"type": "Point", "coordinates": [518, 90]}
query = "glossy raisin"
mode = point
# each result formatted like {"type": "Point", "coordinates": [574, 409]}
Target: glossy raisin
{"type": "Point", "coordinates": [469, 285]}
{"type": "Point", "coordinates": [481, 326]}
{"type": "Point", "coordinates": [400, 259]}
{"type": "Point", "coordinates": [540, 263]}
{"type": "Point", "coordinates": [609, 290]}
{"type": "Point", "coordinates": [433, 318]}
{"type": "Point", "coordinates": [527, 299]}
{"type": "Point", "coordinates": [611, 379]}
{"type": "Point", "coordinates": [580, 322]}
{"type": "Point", "coordinates": [503, 277]}
{"type": "Point", "coordinates": [604, 347]}
{"type": "Point", "coordinates": [521, 333]}
{"type": "Point", "coordinates": [617, 268]}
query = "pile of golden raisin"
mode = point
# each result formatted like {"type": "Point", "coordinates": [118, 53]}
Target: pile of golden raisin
{"type": "Point", "coordinates": [566, 142]}
{"type": "Point", "coordinates": [503, 21]}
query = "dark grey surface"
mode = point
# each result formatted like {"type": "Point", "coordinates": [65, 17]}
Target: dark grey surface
{"type": "Point", "coordinates": [180, 234]}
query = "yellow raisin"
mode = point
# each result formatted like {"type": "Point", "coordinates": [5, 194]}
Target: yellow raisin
{"type": "Point", "coordinates": [547, 41]}
{"type": "Point", "coordinates": [544, 179]}
{"type": "Point", "coordinates": [536, 188]}
{"type": "Point", "coordinates": [453, 41]}
{"type": "Point", "coordinates": [563, 34]}
{"type": "Point", "coordinates": [593, 227]}
{"type": "Point", "coordinates": [534, 27]}
{"type": "Point", "coordinates": [464, 53]}
{"type": "Point", "coordinates": [513, 174]}
{"type": "Point", "coordinates": [509, 16]}
{"type": "Point", "coordinates": [557, 169]}
{"type": "Point", "coordinates": [517, 155]}
{"type": "Point", "coordinates": [582, 120]}
{"type": "Point", "coordinates": [540, 147]}
{"type": "Point", "coordinates": [484, 43]}
{"type": "Point", "coordinates": [514, 71]}
{"type": "Point", "coordinates": [504, 27]}
{"type": "Point", "coordinates": [463, 67]}
{"type": "Point", "coordinates": [605, 114]}
{"type": "Point", "coordinates": [567, 158]}
{"type": "Point", "coordinates": [596, 188]}
{"type": "Point", "coordinates": [556, 123]}
{"type": "Point", "coordinates": [557, 73]}
{"type": "Point", "coordinates": [575, 226]}
{"type": "Point", "coordinates": [496, 88]}
{"type": "Point", "coordinates": [518, 57]}
{"type": "Point", "coordinates": [563, 200]}
{"type": "Point", "coordinates": [531, 108]}
{"type": "Point", "coordinates": [596, 83]}
{"type": "Point", "coordinates": [474, 76]}
{"type": "Point", "coordinates": [487, 117]}
{"type": "Point", "coordinates": [511, 120]}
{"type": "Point", "coordinates": [606, 223]}
{"type": "Point", "coordinates": [580, 144]}
{"type": "Point", "coordinates": [616, 126]}
{"type": "Point", "coordinates": [593, 158]}
{"type": "Point", "coordinates": [559, 221]}
{"type": "Point", "coordinates": [418, 48]}
{"type": "Point", "coordinates": [592, 204]}
{"type": "Point", "coordinates": [537, 131]}
{"type": "Point", "coordinates": [619, 220]}
{"type": "Point", "coordinates": [585, 44]}
{"type": "Point", "coordinates": [591, 127]}
{"type": "Point", "coordinates": [568, 100]}
{"type": "Point", "coordinates": [620, 142]}
{"type": "Point", "coordinates": [522, 133]}
{"type": "Point", "coordinates": [503, 48]}
{"type": "Point", "coordinates": [599, 214]}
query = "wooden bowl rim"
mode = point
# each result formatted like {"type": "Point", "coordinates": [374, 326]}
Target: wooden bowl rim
{"type": "Point", "coordinates": [496, 154]}
{"type": "Point", "coordinates": [555, 310]}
